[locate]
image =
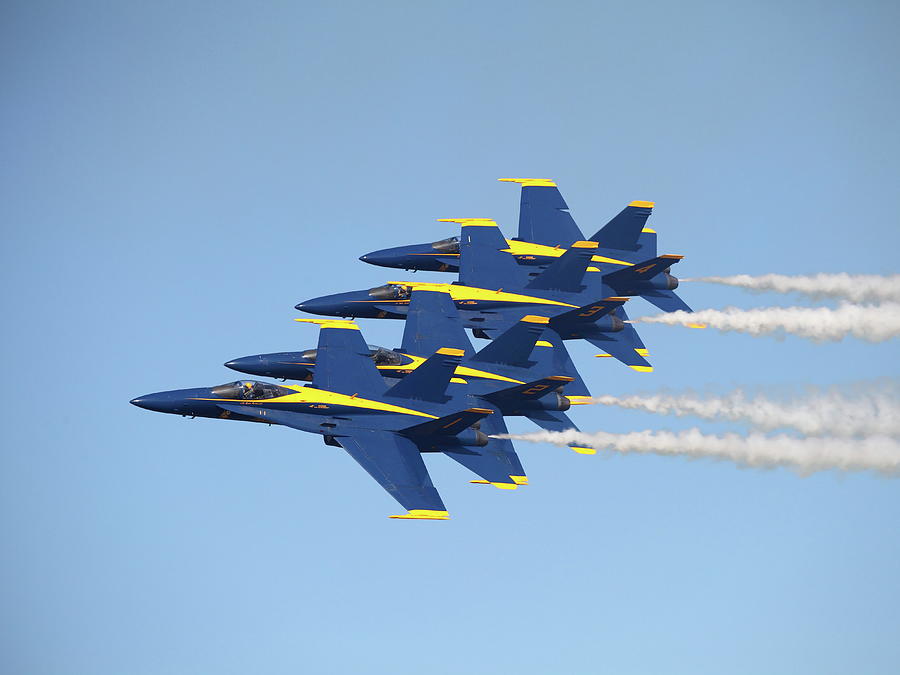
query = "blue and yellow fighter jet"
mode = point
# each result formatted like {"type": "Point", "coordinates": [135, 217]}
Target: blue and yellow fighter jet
{"type": "Point", "coordinates": [384, 429]}
{"type": "Point", "coordinates": [516, 357]}
{"type": "Point", "coordinates": [492, 294]}
{"type": "Point", "coordinates": [546, 230]}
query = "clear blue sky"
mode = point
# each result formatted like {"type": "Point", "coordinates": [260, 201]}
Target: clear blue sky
{"type": "Point", "coordinates": [176, 176]}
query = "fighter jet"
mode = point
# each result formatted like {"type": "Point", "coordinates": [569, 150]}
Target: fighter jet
{"type": "Point", "coordinates": [384, 429]}
{"type": "Point", "coordinates": [492, 294]}
{"type": "Point", "coordinates": [546, 230]}
{"type": "Point", "coordinates": [517, 356]}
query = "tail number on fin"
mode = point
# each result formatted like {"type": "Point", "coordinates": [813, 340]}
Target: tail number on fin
{"type": "Point", "coordinates": [643, 269]}
{"type": "Point", "coordinates": [536, 389]}
{"type": "Point", "coordinates": [593, 310]}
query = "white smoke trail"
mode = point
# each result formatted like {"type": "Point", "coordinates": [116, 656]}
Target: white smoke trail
{"type": "Point", "coordinates": [805, 455]}
{"type": "Point", "coordinates": [852, 287]}
{"type": "Point", "coordinates": [874, 411]}
{"type": "Point", "coordinates": [872, 323]}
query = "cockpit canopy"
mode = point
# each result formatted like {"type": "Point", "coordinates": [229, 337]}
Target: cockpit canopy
{"type": "Point", "coordinates": [250, 390]}
{"type": "Point", "coordinates": [389, 292]}
{"type": "Point", "coordinates": [449, 245]}
{"type": "Point", "coordinates": [382, 356]}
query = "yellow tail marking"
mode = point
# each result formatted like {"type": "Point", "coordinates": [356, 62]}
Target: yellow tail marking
{"type": "Point", "coordinates": [423, 514]}
{"type": "Point", "coordinates": [585, 244]}
{"type": "Point", "coordinates": [642, 352]}
{"type": "Point", "coordinates": [470, 222]}
{"type": "Point", "coordinates": [480, 482]}
{"type": "Point", "coordinates": [646, 205]}
{"type": "Point", "coordinates": [520, 480]}
{"type": "Point", "coordinates": [647, 229]}
{"type": "Point", "coordinates": [332, 323]}
{"type": "Point", "coordinates": [696, 325]}
{"type": "Point", "coordinates": [602, 356]}
{"type": "Point", "coordinates": [543, 343]}
{"type": "Point", "coordinates": [584, 451]}
{"type": "Point", "coordinates": [530, 182]}
{"type": "Point", "coordinates": [450, 351]}
{"type": "Point", "coordinates": [505, 486]}
{"type": "Point", "coordinates": [458, 380]}
{"type": "Point", "coordinates": [642, 369]}
{"type": "Point", "coordinates": [531, 318]}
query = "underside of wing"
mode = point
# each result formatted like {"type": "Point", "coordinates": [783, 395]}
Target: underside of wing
{"type": "Point", "coordinates": [395, 462]}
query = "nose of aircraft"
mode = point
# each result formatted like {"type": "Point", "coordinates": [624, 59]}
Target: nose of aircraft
{"type": "Point", "coordinates": [247, 364]}
{"type": "Point", "coordinates": [161, 402]}
{"type": "Point", "coordinates": [328, 305]}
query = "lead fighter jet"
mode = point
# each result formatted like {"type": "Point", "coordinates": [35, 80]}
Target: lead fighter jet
{"type": "Point", "coordinates": [384, 429]}
{"type": "Point", "coordinates": [517, 356]}
{"type": "Point", "coordinates": [546, 231]}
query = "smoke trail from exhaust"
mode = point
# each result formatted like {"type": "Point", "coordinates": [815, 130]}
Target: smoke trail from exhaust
{"type": "Point", "coordinates": [872, 323]}
{"type": "Point", "coordinates": [846, 413]}
{"type": "Point", "coordinates": [805, 455]}
{"type": "Point", "coordinates": [842, 286]}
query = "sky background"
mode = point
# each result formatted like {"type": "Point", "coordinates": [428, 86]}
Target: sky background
{"type": "Point", "coordinates": [175, 176]}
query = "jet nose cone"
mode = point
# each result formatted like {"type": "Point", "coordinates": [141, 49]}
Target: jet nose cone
{"type": "Point", "coordinates": [323, 305]}
{"type": "Point", "coordinates": [161, 402]}
{"type": "Point", "coordinates": [364, 258]}
{"type": "Point", "coordinates": [139, 402]}
{"type": "Point", "coordinates": [245, 364]}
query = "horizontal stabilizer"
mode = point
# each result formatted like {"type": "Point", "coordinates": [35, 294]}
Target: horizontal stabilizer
{"type": "Point", "coordinates": [586, 315]}
{"type": "Point", "coordinates": [530, 391]}
{"type": "Point", "coordinates": [553, 420]}
{"type": "Point", "coordinates": [515, 345]}
{"type": "Point", "coordinates": [630, 278]}
{"type": "Point", "coordinates": [623, 231]}
{"type": "Point", "coordinates": [431, 323]}
{"type": "Point", "coordinates": [449, 425]}
{"type": "Point", "coordinates": [429, 381]}
{"type": "Point", "coordinates": [544, 216]}
{"type": "Point", "coordinates": [492, 462]}
{"type": "Point", "coordinates": [667, 301]}
{"type": "Point", "coordinates": [621, 346]}
{"type": "Point", "coordinates": [566, 272]}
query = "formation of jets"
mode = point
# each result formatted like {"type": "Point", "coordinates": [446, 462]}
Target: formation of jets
{"type": "Point", "coordinates": [436, 393]}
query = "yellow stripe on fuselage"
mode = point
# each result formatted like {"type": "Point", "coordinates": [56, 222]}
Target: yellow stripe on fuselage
{"type": "Point", "coordinates": [529, 248]}
{"type": "Point", "coordinates": [307, 395]}
{"type": "Point", "coordinates": [461, 293]}
{"type": "Point", "coordinates": [462, 371]}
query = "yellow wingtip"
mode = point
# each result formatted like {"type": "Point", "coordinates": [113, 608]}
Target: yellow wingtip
{"type": "Point", "coordinates": [585, 244]}
{"type": "Point", "coordinates": [530, 182]}
{"type": "Point", "coordinates": [520, 480]}
{"type": "Point", "coordinates": [450, 351]}
{"type": "Point", "coordinates": [532, 318]}
{"type": "Point", "coordinates": [543, 343]}
{"type": "Point", "coordinates": [505, 486]}
{"type": "Point", "coordinates": [696, 325]}
{"type": "Point", "coordinates": [584, 451]}
{"type": "Point", "coordinates": [348, 324]}
{"type": "Point", "coordinates": [423, 514]}
{"type": "Point", "coordinates": [642, 352]}
{"type": "Point", "coordinates": [642, 369]}
{"type": "Point", "coordinates": [470, 222]}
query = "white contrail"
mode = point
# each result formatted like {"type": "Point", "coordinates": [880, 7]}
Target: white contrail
{"type": "Point", "coordinates": [852, 287]}
{"type": "Point", "coordinates": [805, 455]}
{"type": "Point", "coordinates": [848, 412]}
{"type": "Point", "coordinates": [873, 323]}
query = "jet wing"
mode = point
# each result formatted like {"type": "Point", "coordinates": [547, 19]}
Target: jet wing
{"type": "Point", "coordinates": [544, 216]}
{"type": "Point", "coordinates": [431, 323]}
{"type": "Point", "coordinates": [395, 462]}
{"type": "Point", "coordinates": [343, 360]}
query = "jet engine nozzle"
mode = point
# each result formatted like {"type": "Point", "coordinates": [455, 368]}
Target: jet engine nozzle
{"type": "Point", "coordinates": [671, 282]}
{"type": "Point", "coordinates": [472, 438]}
{"type": "Point", "coordinates": [616, 324]}
{"type": "Point", "coordinates": [554, 401]}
